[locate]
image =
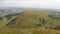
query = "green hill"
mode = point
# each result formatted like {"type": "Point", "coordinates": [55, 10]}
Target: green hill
{"type": "Point", "coordinates": [31, 22]}
{"type": "Point", "coordinates": [35, 19]}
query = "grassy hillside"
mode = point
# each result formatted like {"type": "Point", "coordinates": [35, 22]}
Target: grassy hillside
{"type": "Point", "coordinates": [29, 31]}
{"type": "Point", "coordinates": [36, 19]}
{"type": "Point", "coordinates": [31, 22]}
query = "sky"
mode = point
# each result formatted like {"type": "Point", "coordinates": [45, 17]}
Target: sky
{"type": "Point", "coordinates": [54, 4]}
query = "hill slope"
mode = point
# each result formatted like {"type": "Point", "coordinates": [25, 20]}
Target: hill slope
{"type": "Point", "coordinates": [33, 19]}
{"type": "Point", "coordinates": [31, 22]}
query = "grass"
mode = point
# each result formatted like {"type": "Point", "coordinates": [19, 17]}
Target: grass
{"type": "Point", "coordinates": [4, 21]}
{"type": "Point", "coordinates": [29, 31]}
{"type": "Point", "coordinates": [30, 22]}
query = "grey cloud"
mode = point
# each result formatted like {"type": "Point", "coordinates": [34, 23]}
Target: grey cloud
{"type": "Point", "coordinates": [30, 3]}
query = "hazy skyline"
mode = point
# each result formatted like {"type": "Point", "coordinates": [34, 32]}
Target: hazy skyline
{"type": "Point", "coordinates": [54, 4]}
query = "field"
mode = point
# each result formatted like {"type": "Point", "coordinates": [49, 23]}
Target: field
{"type": "Point", "coordinates": [31, 22]}
{"type": "Point", "coordinates": [29, 31]}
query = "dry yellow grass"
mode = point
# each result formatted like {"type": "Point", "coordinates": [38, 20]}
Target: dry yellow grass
{"type": "Point", "coordinates": [29, 31]}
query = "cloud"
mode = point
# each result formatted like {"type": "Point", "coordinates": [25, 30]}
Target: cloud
{"type": "Point", "coordinates": [31, 3]}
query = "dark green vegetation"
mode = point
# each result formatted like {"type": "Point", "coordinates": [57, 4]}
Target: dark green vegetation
{"type": "Point", "coordinates": [31, 22]}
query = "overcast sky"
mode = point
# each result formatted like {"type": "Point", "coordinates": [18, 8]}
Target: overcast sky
{"type": "Point", "coordinates": [55, 4]}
